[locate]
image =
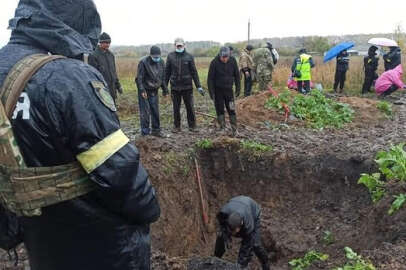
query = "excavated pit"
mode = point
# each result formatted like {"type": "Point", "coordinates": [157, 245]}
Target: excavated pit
{"type": "Point", "coordinates": [302, 197]}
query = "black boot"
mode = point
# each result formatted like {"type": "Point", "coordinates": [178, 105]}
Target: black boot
{"type": "Point", "coordinates": [222, 122]}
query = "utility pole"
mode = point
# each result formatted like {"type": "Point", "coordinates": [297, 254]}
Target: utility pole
{"type": "Point", "coordinates": [249, 30]}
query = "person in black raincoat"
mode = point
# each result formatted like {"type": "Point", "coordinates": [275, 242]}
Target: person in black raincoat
{"type": "Point", "coordinates": [371, 62]}
{"type": "Point", "coordinates": [393, 58]}
{"type": "Point", "coordinates": [342, 64]}
{"type": "Point", "coordinates": [104, 61]}
{"type": "Point", "coordinates": [108, 228]}
{"type": "Point", "coordinates": [241, 217]}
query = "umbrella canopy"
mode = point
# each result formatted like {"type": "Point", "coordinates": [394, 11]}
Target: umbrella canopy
{"type": "Point", "coordinates": [333, 52]}
{"type": "Point", "coordinates": [385, 42]}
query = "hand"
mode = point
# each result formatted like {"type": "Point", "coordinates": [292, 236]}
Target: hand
{"type": "Point", "coordinates": [237, 93]}
{"type": "Point", "coordinates": [144, 95]}
{"type": "Point", "coordinates": [201, 91]}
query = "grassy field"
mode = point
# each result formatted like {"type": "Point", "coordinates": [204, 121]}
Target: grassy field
{"type": "Point", "coordinates": [322, 73]}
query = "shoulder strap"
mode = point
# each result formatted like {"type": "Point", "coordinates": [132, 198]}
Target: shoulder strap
{"type": "Point", "coordinates": [18, 78]}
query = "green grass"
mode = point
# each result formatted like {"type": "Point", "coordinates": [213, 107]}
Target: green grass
{"type": "Point", "coordinates": [386, 108]}
{"type": "Point", "coordinates": [205, 144]}
{"type": "Point", "coordinates": [310, 257]}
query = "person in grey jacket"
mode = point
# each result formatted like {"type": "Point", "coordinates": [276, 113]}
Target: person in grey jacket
{"type": "Point", "coordinates": [104, 61]}
{"type": "Point", "coordinates": [241, 217]}
{"type": "Point", "coordinates": [151, 77]}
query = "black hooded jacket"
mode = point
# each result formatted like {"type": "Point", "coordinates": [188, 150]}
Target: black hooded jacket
{"type": "Point", "coordinates": [181, 71]}
{"type": "Point", "coordinates": [371, 62]}
{"type": "Point", "coordinates": [393, 58]}
{"type": "Point", "coordinates": [343, 61]}
{"type": "Point", "coordinates": [106, 229]}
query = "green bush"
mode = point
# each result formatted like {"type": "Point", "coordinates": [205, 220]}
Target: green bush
{"type": "Point", "coordinates": [307, 260]}
{"type": "Point", "coordinates": [204, 144]}
{"type": "Point", "coordinates": [386, 108]}
{"type": "Point", "coordinates": [355, 262]}
{"type": "Point", "coordinates": [317, 110]}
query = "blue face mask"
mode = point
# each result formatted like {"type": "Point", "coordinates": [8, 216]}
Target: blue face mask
{"type": "Point", "coordinates": [156, 59]}
{"type": "Point", "coordinates": [180, 50]}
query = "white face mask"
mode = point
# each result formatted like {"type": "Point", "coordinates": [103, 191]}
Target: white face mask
{"type": "Point", "coordinates": [180, 50]}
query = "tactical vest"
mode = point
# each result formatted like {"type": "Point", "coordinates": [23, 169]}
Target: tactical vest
{"type": "Point", "coordinates": [304, 67]}
{"type": "Point", "coordinates": [25, 190]}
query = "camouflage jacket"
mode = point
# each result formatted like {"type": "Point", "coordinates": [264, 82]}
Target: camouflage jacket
{"type": "Point", "coordinates": [263, 62]}
{"type": "Point", "coordinates": [246, 62]}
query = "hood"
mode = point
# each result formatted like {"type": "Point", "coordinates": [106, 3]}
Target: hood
{"type": "Point", "coordinates": [66, 27]}
{"type": "Point", "coordinates": [393, 49]}
{"type": "Point", "coordinates": [399, 69]}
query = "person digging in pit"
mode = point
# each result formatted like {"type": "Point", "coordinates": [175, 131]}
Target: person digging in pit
{"type": "Point", "coordinates": [223, 73]}
{"type": "Point", "coordinates": [241, 217]}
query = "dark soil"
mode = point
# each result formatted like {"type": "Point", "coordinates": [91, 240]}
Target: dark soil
{"type": "Point", "coordinates": [307, 185]}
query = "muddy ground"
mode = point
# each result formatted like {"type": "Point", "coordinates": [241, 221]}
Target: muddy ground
{"type": "Point", "coordinates": [307, 185]}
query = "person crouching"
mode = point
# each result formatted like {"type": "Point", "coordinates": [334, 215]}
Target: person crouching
{"type": "Point", "coordinates": [389, 82]}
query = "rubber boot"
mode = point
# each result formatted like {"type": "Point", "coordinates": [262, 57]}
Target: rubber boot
{"type": "Point", "coordinates": [233, 122]}
{"type": "Point", "coordinates": [222, 123]}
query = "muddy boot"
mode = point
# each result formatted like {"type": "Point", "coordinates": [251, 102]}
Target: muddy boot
{"type": "Point", "coordinates": [222, 123]}
{"type": "Point", "coordinates": [233, 122]}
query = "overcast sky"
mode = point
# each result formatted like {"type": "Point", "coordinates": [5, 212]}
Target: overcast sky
{"type": "Point", "coordinates": [132, 22]}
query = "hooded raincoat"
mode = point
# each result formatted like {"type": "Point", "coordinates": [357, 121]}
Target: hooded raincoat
{"type": "Point", "coordinates": [107, 229]}
{"type": "Point", "coordinates": [389, 78]}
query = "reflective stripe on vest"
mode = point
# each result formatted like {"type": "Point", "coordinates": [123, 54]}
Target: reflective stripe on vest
{"type": "Point", "coordinates": [304, 67]}
{"type": "Point", "coordinates": [103, 150]}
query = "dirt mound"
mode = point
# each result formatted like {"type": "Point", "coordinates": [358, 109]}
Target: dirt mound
{"type": "Point", "coordinates": [251, 111]}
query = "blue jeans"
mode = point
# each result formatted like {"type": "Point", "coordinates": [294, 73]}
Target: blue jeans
{"type": "Point", "coordinates": [149, 112]}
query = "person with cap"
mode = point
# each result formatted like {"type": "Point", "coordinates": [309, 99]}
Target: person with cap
{"type": "Point", "coordinates": [342, 64]}
{"type": "Point", "coordinates": [246, 65]}
{"type": "Point", "coordinates": [180, 71]}
{"type": "Point", "coordinates": [241, 217]}
{"type": "Point", "coordinates": [393, 58]}
{"type": "Point", "coordinates": [223, 73]}
{"type": "Point", "coordinates": [274, 52]}
{"type": "Point", "coordinates": [151, 77]}
{"type": "Point", "coordinates": [301, 70]}
{"type": "Point", "coordinates": [263, 66]}
{"type": "Point", "coordinates": [104, 61]}
{"type": "Point", "coordinates": [371, 62]}
{"type": "Point", "coordinates": [66, 128]}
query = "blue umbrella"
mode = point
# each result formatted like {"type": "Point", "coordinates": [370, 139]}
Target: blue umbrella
{"type": "Point", "coordinates": [333, 52]}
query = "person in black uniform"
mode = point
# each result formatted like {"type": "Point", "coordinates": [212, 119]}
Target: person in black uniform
{"type": "Point", "coordinates": [241, 217]}
{"type": "Point", "coordinates": [371, 62]}
{"type": "Point", "coordinates": [393, 58]}
{"type": "Point", "coordinates": [343, 61]}
{"type": "Point", "coordinates": [68, 114]}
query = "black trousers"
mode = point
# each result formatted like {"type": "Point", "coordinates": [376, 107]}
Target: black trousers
{"type": "Point", "coordinates": [339, 79]}
{"type": "Point", "coordinates": [224, 98]}
{"type": "Point", "coordinates": [391, 89]}
{"type": "Point", "coordinates": [303, 86]}
{"type": "Point", "coordinates": [368, 81]}
{"type": "Point", "coordinates": [187, 96]}
{"type": "Point", "coordinates": [247, 85]}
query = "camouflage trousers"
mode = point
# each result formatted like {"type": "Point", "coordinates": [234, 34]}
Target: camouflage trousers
{"type": "Point", "coordinates": [263, 81]}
